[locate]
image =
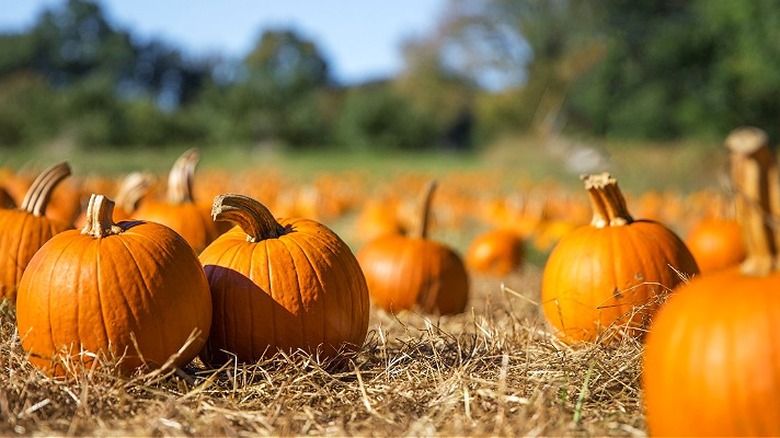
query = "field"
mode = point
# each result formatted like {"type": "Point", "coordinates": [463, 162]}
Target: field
{"type": "Point", "coordinates": [494, 370]}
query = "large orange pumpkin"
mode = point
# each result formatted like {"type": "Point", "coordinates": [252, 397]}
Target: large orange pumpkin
{"type": "Point", "coordinates": [132, 291]}
{"type": "Point", "coordinates": [611, 273]}
{"type": "Point", "coordinates": [716, 244]}
{"type": "Point", "coordinates": [180, 211]}
{"type": "Point", "coordinates": [285, 284]}
{"type": "Point", "coordinates": [24, 230]}
{"type": "Point", "coordinates": [404, 272]}
{"type": "Point", "coordinates": [711, 364]}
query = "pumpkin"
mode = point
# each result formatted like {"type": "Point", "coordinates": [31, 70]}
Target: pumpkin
{"type": "Point", "coordinates": [64, 203]}
{"type": "Point", "coordinates": [716, 244]}
{"type": "Point", "coordinates": [133, 188]}
{"type": "Point", "coordinates": [24, 230]}
{"type": "Point", "coordinates": [403, 271]}
{"type": "Point", "coordinates": [610, 274]}
{"type": "Point", "coordinates": [495, 252]}
{"type": "Point", "coordinates": [711, 363]}
{"type": "Point", "coordinates": [6, 200]}
{"type": "Point", "coordinates": [287, 284]}
{"type": "Point", "coordinates": [180, 211]}
{"type": "Point", "coordinates": [132, 291]}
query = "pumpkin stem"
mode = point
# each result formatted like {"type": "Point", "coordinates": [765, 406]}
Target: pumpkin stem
{"type": "Point", "coordinates": [607, 201]}
{"type": "Point", "coordinates": [38, 195]}
{"type": "Point", "coordinates": [180, 179]}
{"type": "Point", "coordinates": [253, 217]}
{"type": "Point", "coordinates": [133, 188]}
{"type": "Point", "coordinates": [757, 201]}
{"type": "Point", "coordinates": [425, 211]}
{"type": "Point", "coordinates": [100, 211]}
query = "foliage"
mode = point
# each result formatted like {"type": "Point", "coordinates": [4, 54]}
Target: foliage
{"type": "Point", "coordinates": [664, 70]}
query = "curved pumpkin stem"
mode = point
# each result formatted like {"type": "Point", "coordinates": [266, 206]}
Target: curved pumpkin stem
{"type": "Point", "coordinates": [38, 195]}
{"type": "Point", "coordinates": [253, 217]}
{"type": "Point", "coordinates": [100, 211]}
{"type": "Point", "coordinates": [180, 179]}
{"type": "Point", "coordinates": [757, 202]}
{"type": "Point", "coordinates": [607, 201]}
{"type": "Point", "coordinates": [425, 211]}
{"type": "Point", "coordinates": [133, 188]}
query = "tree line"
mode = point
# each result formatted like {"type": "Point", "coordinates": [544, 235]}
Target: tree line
{"type": "Point", "coordinates": [643, 70]}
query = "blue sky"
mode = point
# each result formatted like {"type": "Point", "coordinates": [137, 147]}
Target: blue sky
{"type": "Point", "coordinates": [360, 38]}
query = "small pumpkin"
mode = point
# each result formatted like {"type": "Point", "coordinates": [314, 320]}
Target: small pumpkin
{"type": "Point", "coordinates": [711, 364]}
{"type": "Point", "coordinates": [180, 211]}
{"type": "Point", "coordinates": [716, 244]}
{"type": "Point", "coordinates": [24, 230]}
{"type": "Point", "coordinates": [280, 284]}
{"type": "Point", "coordinates": [403, 272]}
{"type": "Point", "coordinates": [611, 272]}
{"type": "Point", "coordinates": [134, 291]}
{"type": "Point", "coordinates": [496, 252]}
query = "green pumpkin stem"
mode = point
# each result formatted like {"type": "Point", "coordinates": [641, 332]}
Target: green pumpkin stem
{"type": "Point", "coordinates": [100, 213]}
{"type": "Point", "coordinates": [756, 187]}
{"type": "Point", "coordinates": [253, 217]}
{"type": "Point", "coordinates": [425, 211]}
{"type": "Point", "coordinates": [180, 179]}
{"type": "Point", "coordinates": [38, 195]}
{"type": "Point", "coordinates": [607, 201]}
{"type": "Point", "coordinates": [133, 188]}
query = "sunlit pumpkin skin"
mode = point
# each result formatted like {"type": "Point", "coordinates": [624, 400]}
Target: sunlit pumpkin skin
{"type": "Point", "coordinates": [281, 284]}
{"type": "Point", "coordinates": [495, 252]}
{"type": "Point", "coordinates": [603, 281]}
{"type": "Point", "coordinates": [711, 364]}
{"type": "Point", "coordinates": [24, 230]}
{"type": "Point", "coordinates": [406, 272]}
{"type": "Point", "coordinates": [134, 290]}
{"type": "Point", "coordinates": [716, 244]}
{"type": "Point", "coordinates": [179, 211]}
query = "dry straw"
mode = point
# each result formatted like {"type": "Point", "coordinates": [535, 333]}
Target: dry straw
{"type": "Point", "coordinates": [495, 370]}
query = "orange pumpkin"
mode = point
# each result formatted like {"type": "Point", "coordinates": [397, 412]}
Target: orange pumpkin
{"type": "Point", "coordinates": [496, 252]}
{"type": "Point", "coordinates": [64, 203]}
{"type": "Point", "coordinates": [281, 285]}
{"type": "Point", "coordinates": [610, 274]}
{"type": "Point", "coordinates": [133, 188]}
{"type": "Point", "coordinates": [407, 271]}
{"type": "Point", "coordinates": [180, 211]}
{"type": "Point", "coordinates": [711, 363]}
{"type": "Point", "coordinates": [716, 244]}
{"type": "Point", "coordinates": [133, 291]}
{"type": "Point", "coordinates": [24, 230]}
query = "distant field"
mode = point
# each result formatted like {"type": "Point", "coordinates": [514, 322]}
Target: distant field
{"type": "Point", "coordinates": [640, 167]}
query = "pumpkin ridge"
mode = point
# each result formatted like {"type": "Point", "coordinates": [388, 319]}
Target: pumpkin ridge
{"type": "Point", "coordinates": [143, 244]}
{"type": "Point", "coordinates": [145, 297]}
{"type": "Point", "coordinates": [61, 253]}
{"type": "Point", "coordinates": [351, 273]}
{"type": "Point", "coordinates": [333, 270]}
{"type": "Point", "coordinates": [321, 296]}
{"type": "Point", "coordinates": [104, 321]}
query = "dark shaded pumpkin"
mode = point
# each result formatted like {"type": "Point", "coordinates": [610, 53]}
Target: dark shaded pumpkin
{"type": "Point", "coordinates": [281, 284]}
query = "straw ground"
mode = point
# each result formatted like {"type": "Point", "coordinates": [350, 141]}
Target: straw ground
{"type": "Point", "coordinates": [495, 370]}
